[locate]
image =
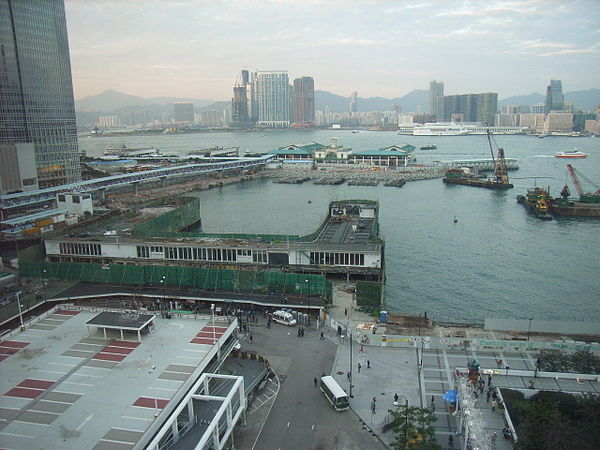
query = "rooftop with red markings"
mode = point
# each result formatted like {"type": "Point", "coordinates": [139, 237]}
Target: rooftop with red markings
{"type": "Point", "coordinates": [71, 378]}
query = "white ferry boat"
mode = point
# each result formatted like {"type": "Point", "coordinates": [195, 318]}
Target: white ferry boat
{"type": "Point", "coordinates": [127, 152]}
{"type": "Point", "coordinates": [571, 154]}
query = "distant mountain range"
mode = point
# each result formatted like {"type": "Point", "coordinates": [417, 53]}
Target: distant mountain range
{"type": "Point", "coordinates": [109, 101]}
{"type": "Point", "coordinates": [113, 102]}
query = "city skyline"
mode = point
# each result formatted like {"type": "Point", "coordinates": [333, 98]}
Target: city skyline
{"type": "Point", "coordinates": [195, 49]}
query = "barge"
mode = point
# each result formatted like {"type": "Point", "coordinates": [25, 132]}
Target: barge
{"type": "Point", "coordinates": [537, 201]}
{"type": "Point", "coordinates": [498, 181]}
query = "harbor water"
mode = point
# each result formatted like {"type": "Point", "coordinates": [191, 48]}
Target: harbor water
{"type": "Point", "coordinates": [496, 260]}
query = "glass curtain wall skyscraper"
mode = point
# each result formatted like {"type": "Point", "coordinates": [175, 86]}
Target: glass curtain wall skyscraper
{"type": "Point", "coordinates": [436, 90]}
{"type": "Point", "coordinates": [555, 100]}
{"type": "Point", "coordinates": [273, 90]}
{"type": "Point", "coordinates": [36, 90]}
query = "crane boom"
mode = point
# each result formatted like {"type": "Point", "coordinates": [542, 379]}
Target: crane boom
{"type": "Point", "coordinates": [575, 179]}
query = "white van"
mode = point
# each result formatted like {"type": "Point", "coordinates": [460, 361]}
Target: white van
{"type": "Point", "coordinates": [283, 317]}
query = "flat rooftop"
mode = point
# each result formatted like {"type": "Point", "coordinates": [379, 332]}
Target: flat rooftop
{"type": "Point", "coordinates": [64, 388]}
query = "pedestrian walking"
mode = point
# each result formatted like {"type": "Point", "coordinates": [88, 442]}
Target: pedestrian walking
{"type": "Point", "coordinates": [269, 323]}
{"type": "Point", "coordinates": [494, 404]}
{"type": "Point", "coordinates": [250, 339]}
{"type": "Point", "coordinates": [481, 385]}
{"type": "Point", "coordinates": [450, 441]}
{"type": "Point", "coordinates": [322, 374]}
{"type": "Point", "coordinates": [368, 364]}
{"type": "Point", "coordinates": [345, 311]}
{"type": "Point", "coordinates": [359, 367]}
{"type": "Point", "coordinates": [349, 374]}
{"type": "Point", "coordinates": [432, 400]}
{"type": "Point", "coordinates": [487, 396]}
{"type": "Point", "coordinates": [322, 337]}
{"type": "Point", "coordinates": [489, 379]}
{"type": "Point", "coordinates": [396, 397]}
{"type": "Point", "coordinates": [493, 439]}
{"type": "Point", "coordinates": [315, 380]}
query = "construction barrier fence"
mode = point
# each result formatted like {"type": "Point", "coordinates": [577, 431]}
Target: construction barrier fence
{"type": "Point", "coordinates": [255, 282]}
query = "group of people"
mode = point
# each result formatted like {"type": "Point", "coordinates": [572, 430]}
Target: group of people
{"type": "Point", "coordinates": [300, 332]}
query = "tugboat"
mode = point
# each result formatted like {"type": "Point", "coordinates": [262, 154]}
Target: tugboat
{"type": "Point", "coordinates": [538, 202]}
{"type": "Point", "coordinates": [500, 177]}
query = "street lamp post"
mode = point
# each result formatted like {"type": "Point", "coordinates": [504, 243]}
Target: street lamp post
{"type": "Point", "coordinates": [351, 367]}
{"type": "Point", "coordinates": [44, 283]}
{"type": "Point", "coordinates": [306, 281]}
{"type": "Point", "coordinates": [529, 329]}
{"type": "Point", "coordinates": [405, 420]}
{"type": "Point", "coordinates": [20, 312]}
{"type": "Point", "coordinates": [212, 310]}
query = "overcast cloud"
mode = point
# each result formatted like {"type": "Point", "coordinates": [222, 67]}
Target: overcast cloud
{"type": "Point", "coordinates": [384, 48]}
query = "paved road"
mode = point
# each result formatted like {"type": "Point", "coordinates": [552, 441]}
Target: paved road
{"type": "Point", "coordinates": [301, 417]}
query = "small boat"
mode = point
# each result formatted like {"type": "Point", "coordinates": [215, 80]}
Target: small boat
{"type": "Point", "coordinates": [428, 147]}
{"type": "Point", "coordinates": [571, 154]}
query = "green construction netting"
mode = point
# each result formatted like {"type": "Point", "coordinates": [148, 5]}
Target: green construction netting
{"type": "Point", "coordinates": [183, 277]}
{"type": "Point", "coordinates": [368, 293]}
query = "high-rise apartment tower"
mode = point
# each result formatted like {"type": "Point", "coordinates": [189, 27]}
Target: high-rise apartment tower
{"type": "Point", "coordinates": [36, 90]}
{"type": "Point", "coordinates": [480, 108]}
{"type": "Point", "coordinates": [436, 90]}
{"type": "Point", "coordinates": [303, 100]}
{"type": "Point", "coordinates": [273, 91]}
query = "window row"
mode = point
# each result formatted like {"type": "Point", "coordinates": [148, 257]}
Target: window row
{"type": "Point", "coordinates": [67, 248]}
{"type": "Point", "coordinates": [337, 259]}
{"type": "Point", "coordinates": [201, 254]}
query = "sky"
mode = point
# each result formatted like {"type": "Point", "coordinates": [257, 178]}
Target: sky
{"type": "Point", "coordinates": [379, 48]}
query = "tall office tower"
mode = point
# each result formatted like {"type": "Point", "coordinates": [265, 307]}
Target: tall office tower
{"type": "Point", "coordinates": [273, 89]}
{"type": "Point", "coordinates": [353, 105]}
{"type": "Point", "coordinates": [303, 100]}
{"type": "Point", "coordinates": [555, 101]}
{"type": "Point", "coordinates": [243, 99]}
{"type": "Point", "coordinates": [436, 90]}
{"type": "Point", "coordinates": [245, 77]}
{"type": "Point", "coordinates": [36, 91]}
{"type": "Point", "coordinates": [239, 106]}
{"type": "Point", "coordinates": [252, 98]}
{"type": "Point", "coordinates": [183, 111]}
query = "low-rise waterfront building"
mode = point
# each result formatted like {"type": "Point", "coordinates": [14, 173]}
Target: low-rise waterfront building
{"type": "Point", "coordinates": [346, 243]}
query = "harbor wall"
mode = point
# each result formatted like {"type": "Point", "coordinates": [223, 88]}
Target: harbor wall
{"type": "Point", "coordinates": [403, 173]}
{"type": "Point", "coordinates": [543, 326]}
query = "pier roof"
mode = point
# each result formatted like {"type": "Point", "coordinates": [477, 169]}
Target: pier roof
{"type": "Point", "coordinates": [382, 152]}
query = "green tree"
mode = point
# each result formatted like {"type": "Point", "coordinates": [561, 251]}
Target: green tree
{"type": "Point", "coordinates": [543, 427]}
{"type": "Point", "coordinates": [584, 361]}
{"type": "Point", "coordinates": [413, 428]}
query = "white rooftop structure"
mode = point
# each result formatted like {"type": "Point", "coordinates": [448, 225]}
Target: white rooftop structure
{"type": "Point", "coordinates": [142, 385]}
